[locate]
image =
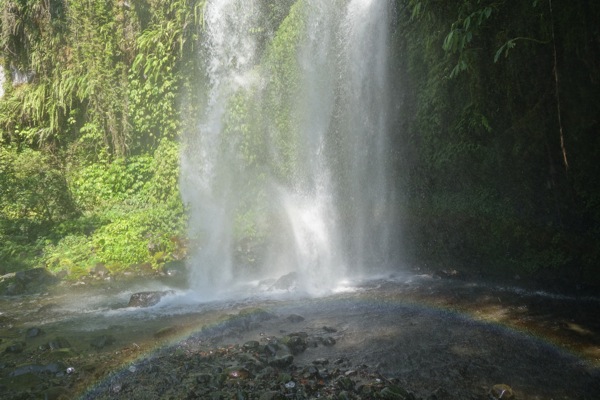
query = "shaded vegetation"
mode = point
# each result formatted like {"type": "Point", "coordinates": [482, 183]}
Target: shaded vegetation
{"type": "Point", "coordinates": [500, 106]}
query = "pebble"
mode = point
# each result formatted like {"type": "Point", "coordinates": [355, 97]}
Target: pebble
{"type": "Point", "coordinates": [501, 392]}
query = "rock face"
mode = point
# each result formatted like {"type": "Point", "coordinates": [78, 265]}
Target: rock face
{"type": "Point", "coordinates": [147, 299]}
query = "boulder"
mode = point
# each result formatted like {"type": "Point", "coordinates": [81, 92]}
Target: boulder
{"type": "Point", "coordinates": [147, 299]}
{"type": "Point", "coordinates": [286, 282]}
{"type": "Point", "coordinates": [27, 281]}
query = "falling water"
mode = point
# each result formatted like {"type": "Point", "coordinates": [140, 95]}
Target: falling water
{"type": "Point", "coordinates": [287, 171]}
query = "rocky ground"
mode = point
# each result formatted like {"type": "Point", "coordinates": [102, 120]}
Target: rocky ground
{"type": "Point", "coordinates": [430, 338]}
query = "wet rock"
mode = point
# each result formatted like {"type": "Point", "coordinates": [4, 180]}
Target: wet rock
{"type": "Point", "coordinates": [53, 368]}
{"type": "Point", "coordinates": [329, 329]}
{"type": "Point", "coordinates": [282, 362]}
{"type": "Point", "coordinates": [99, 342]}
{"type": "Point", "coordinates": [270, 349]}
{"type": "Point", "coordinates": [15, 348]}
{"type": "Point", "coordinates": [344, 395]}
{"type": "Point", "coordinates": [286, 282]}
{"type": "Point", "coordinates": [14, 289]}
{"type": "Point", "coordinates": [327, 341]}
{"type": "Point", "coordinates": [175, 268]}
{"type": "Point", "coordinates": [147, 299]}
{"type": "Point", "coordinates": [204, 378]}
{"type": "Point", "coordinates": [237, 373]}
{"type": "Point", "coordinates": [345, 383]}
{"type": "Point", "coordinates": [325, 374]}
{"type": "Point", "coordinates": [272, 395]}
{"type": "Point", "coordinates": [501, 392]}
{"type": "Point", "coordinates": [295, 318]}
{"type": "Point", "coordinates": [396, 393]}
{"type": "Point", "coordinates": [250, 362]}
{"type": "Point", "coordinates": [144, 269]}
{"type": "Point", "coordinates": [254, 315]}
{"type": "Point", "coordinates": [33, 333]}
{"type": "Point", "coordinates": [295, 342]}
{"type": "Point", "coordinates": [251, 345]}
{"type": "Point", "coordinates": [266, 373]}
{"type": "Point", "coordinates": [440, 394]}
{"type": "Point", "coordinates": [38, 275]}
{"type": "Point", "coordinates": [310, 372]}
{"type": "Point", "coordinates": [26, 281]}
{"type": "Point", "coordinates": [59, 343]}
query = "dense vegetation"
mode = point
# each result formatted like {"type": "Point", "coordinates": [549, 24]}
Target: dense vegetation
{"type": "Point", "coordinates": [499, 106]}
{"type": "Point", "coordinates": [90, 118]}
{"type": "Point", "coordinates": [496, 130]}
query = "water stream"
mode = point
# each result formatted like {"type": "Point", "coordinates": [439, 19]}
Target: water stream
{"type": "Point", "coordinates": [432, 335]}
{"type": "Point", "coordinates": [288, 169]}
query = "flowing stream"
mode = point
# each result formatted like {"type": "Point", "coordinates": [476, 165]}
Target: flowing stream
{"type": "Point", "coordinates": [288, 169]}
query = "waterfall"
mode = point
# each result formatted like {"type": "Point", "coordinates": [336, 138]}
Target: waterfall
{"type": "Point", "coordinates": [287, 171]}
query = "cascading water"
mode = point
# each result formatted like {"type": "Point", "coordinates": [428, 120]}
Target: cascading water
{"type": "Point", "coordinates": [288, 169]}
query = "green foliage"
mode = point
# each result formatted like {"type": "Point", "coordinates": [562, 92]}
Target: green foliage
{"type": "Point", "coordinates": [34, 196]}
{"type": "Point", "coordinates": [139, 216]}
{"type": "Point", "coordinates": [105, 184]}
{"type": "Point", "coordinates": [163, 186]}
{"type": "Point", "coordinates": [282, 64]}
{"type": "Point", "coordinates": [33, 187]}
{"type": "Point", "coordinates": [132, 236]}
{"type": "Point", "coordinates": [140, 237]}
{"type": "Point", "coordinates": [154, 75]}
{"type": "Point", "coordinates": [88, 139]}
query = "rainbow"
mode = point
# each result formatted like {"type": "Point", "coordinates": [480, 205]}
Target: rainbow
{"type": "Point", "coordinates": [487, 324]}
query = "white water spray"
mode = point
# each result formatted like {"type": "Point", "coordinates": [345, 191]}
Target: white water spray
{"type": "Point", "coordinates": [287, 171]}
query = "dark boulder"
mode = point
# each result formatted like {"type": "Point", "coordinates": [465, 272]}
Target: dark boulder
{"type": "Point", "coordinates": [33, 332]}
{"type": "Point", "coordinates": [147, 299]}
{"type": "Point", "coordinates": [27, 281]}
